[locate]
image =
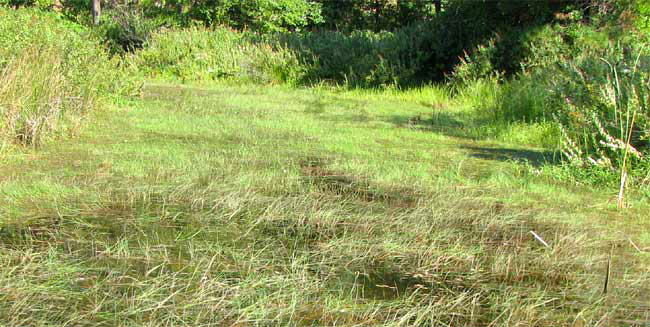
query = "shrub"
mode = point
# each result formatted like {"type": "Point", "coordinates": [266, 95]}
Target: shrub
{"type": "Point", "coordinates": [52, 73]}
{"type": "Point", "coordinates": [605, 117]}
{"type": "Point", "coordinates": [126, 29]}
{"type": "Point", "coordinates": [202, 54]}
{"type": "Point", "coordinates": [360, 58]}
{"type": "Point", "coordinates": [594, 87]}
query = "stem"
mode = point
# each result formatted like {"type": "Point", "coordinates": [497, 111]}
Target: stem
{"type": "Point", "coordinates": [621, 191]}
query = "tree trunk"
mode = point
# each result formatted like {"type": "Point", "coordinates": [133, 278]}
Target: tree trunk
{"type": "Point", "coordinates": [180, 8]}
{"type": "Point", "coordinates": [586, 10]}
{"type": "Point", "coordinates": [57, 6]}
{"type": "Point", "coordinates": [438, 5]}
{"type": "Point", "coordinates": [97, 11]}
{"type": "Point", "coordinates": [377, 14]}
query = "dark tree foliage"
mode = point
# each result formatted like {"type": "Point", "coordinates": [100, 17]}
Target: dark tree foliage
{"type": "Point", "coordinates": [347, 15]}
{"type": "Point", "coordinates": [464, 24]}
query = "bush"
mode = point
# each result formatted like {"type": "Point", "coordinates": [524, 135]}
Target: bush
{"type": "Point", "coordinates": [125, 29]}
{"type": "Point", "coordinates": [52, 73]}
{"type": "Point", "coordinates": [592, 83]}
{"type": "Point", "coordinates": [604, 113]}
{"type": "Point", "coordinates": [361, 58]}
{"type": "Point", "coordinates": [201, 54]}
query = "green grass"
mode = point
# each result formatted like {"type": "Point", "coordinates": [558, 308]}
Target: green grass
{"type": "Point", "coordinates": [270, 206]}
{"type": "Point", "coordinates": [52, 73]}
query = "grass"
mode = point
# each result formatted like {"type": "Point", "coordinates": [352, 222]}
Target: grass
{"type": "Point", "coordinates": [270, 206]}
{"type": "Point", "coordinates": [52, 73]}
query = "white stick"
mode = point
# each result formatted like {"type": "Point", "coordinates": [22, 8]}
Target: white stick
{"type": "Point", "coordinates": [621, 198]}
{"type": "Point", "coordinates": [540, 239]}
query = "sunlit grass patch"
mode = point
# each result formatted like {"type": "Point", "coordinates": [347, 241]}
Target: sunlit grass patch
{"type": "Point", "coordinates": [238, 205]}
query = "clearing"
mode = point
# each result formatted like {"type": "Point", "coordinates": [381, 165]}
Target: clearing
{"type": "Point", "coordinates": [270, 206]}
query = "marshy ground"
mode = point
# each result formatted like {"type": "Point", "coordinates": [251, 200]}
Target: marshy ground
{"type": "Point", "coordinates": [271, 206]}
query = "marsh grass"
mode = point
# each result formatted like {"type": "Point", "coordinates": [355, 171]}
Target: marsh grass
{"type": "Point", "coordinates": [243, 206]}
{"type": "Point", "coordinates": [52, 73]}
{"type": "Point", "coordinates": [200, 54]}
{"type": "Point", "coordinates": [36, 98]}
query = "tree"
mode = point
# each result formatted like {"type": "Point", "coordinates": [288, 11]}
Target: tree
{"type": "Point", "coordinates": [97, 11]}
{"type": "Point", "coordinates": [376, 14]}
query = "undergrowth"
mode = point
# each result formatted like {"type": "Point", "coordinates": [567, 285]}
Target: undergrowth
{"type": "Point", "coordinates": [201, 54]}
{"type": "Point", "coordinates": [586, 88]}
{"type": "Point", "coordinates": [52, 74]}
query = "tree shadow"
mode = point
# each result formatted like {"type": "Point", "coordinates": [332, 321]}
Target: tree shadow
{"type": "Point", "coordinates": [452, 126]}
{"type": "Point", "coordinates": [531, 157]}
{"type": "Point", "coordinates": [442, 123]}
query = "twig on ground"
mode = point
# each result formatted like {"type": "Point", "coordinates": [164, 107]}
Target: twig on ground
{"type": "Point", "coordinates": [540, 239]}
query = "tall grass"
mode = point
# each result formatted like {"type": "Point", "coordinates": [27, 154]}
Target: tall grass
{"type": "Point", "coordinates": [33, 88]}
{"type": "Point", "coordinates": [586, 90]}
{"type": "Point", "coordinates": [358, 59]}
{"type": "Point", "coordinates": [200, 54]}
{"type": "Point", "coordinates": [52, 73]}
{"type": "Point", "coordinates": [362, 58]}
{"type": "Point", "coordinates": [287, 216]}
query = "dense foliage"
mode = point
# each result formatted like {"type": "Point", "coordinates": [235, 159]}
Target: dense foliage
{"type": "Point", "coordinates": [52, 72]}
{"type": "Point", "coordinates": [591, 83]}
{"type": "Point", "coordinates": [200, 54]}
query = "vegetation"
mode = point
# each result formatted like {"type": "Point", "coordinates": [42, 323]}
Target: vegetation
{"type": "Point", "coordinates": [235, 205]}
{"type": "Point", "coordinates": [53, 73]}
{"type": "Point", "coordinates": [198, 54]}
{"type": "Point", "coordinates": [311, 163]}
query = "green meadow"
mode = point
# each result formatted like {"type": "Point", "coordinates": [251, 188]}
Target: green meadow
{"type": "Point", "coordinates": [240, 205]}
{"type": "Point", "coordinates": [313, 163]}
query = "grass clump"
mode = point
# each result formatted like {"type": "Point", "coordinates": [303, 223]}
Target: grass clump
{"type": "Point", "coordinates": [202, 54]}
{"type": "Point", "coordinates": [52, 74]}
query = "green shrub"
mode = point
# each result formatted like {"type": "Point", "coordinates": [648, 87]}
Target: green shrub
{"type": "Point", "coordinates": [605, 95]}
{"type": "Point", "coordinates": [125, 28]}
{"type": "Point", "coordinates": [528, 96]}
{"type": "Point", "coordinates": [41, 4]}
{"type": "Point", "coordinates": [201, 54]}
{"type": "Point", "coordinates": [52, 73]}
{"type": "Point", "coordinates": [592, 87]}
{"type": "Point", "coordinates": [360, 58]}
{"type": "Point", "coordinates": [643, 19]}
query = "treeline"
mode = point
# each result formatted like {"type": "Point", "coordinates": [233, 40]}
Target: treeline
{"type": "Point", "coordinates": [361, 43]}
{"type": "Point", "coordinates": [297, 15]}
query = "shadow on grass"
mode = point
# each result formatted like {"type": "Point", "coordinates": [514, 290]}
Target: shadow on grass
{"type": "Point", "coordinates": [451, 125]}
{"type": "Point", "coordinates": [441, 122]}
{"type": "Point", "coordinates": [532, 157]}
{"type": "Point", "coordinates": [315, 173]}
